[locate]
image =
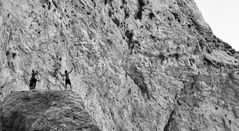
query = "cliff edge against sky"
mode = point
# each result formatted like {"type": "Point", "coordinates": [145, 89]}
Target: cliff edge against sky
{"type": "Point", "coordinates": [137, 64]}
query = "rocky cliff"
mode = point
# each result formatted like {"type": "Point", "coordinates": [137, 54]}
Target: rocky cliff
{"type": "Point", "coordinates": [147, 65]}
{"type": "Point", "coordinates": [45, 111]}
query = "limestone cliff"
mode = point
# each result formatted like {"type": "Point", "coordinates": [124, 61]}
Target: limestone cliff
{"type": "Point", "coordinates": [45, 111]}
{"type": "Point", "coordinates": [137, 64]}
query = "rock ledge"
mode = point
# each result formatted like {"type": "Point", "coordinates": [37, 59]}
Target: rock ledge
{"type": "Point", "coordinates": [45, 111]}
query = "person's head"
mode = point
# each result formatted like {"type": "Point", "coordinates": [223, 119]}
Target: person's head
{"type": "Point", "coordinates": [65, 71]}
{"type": "Point", "coordinates": [33, 71]}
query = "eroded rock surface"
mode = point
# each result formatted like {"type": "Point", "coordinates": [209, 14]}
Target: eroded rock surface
{"type": "Point", "coordinates": [137, 64]}
{"type": "Point", "coordinates": [45, 111]}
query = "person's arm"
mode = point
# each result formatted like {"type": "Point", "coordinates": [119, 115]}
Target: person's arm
{"type": "Point", "coordinates": [71, 70]}
{"type": "Point", "coordinates": [62, 75]}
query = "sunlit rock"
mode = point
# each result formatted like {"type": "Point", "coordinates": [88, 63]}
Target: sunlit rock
{"type": "Point", "coordinates": [137, 64]}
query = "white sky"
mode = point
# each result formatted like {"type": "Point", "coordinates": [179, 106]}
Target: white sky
{"type": "Point", "coordinates": [223, 18]}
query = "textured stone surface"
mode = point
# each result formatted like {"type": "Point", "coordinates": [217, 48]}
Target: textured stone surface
{"type": "Point", "coordinates": [138, 64]}
{"type": "Point", "coordinates": [45, 111]}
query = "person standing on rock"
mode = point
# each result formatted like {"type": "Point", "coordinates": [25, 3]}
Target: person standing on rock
{"type": "Point", "coordinates": [33, 80]}
{"type": "Point", "coordinates": [67, 80]}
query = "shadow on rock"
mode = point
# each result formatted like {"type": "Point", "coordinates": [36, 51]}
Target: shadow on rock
{"type": "Point", "coordinates": [45, 111]}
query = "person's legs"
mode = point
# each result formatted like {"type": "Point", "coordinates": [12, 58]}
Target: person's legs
{"type": "Point", "coordinates": [68, 82]}
{"type": "Point", "coordinates": [70, 86]}
{"type": "Point", "coordinates": [65, 84]}
{"type": "Point", "coordinates": [30, 84]}
{"type": "Point", "coordinates": [34, 83]}
{"type": "Point", "coordinates": [34, 86]}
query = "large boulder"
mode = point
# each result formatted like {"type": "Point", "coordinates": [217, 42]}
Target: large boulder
{"type": "Point", "coordinates": [45, 111]}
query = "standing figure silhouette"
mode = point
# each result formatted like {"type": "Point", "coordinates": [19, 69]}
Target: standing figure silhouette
{"type": "Point", "coordinates": [67, 78]}
{"type": "Point", "coordinates": [33, 80]}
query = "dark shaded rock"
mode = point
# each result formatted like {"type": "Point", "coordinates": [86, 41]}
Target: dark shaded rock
{"type": "Point", "coordinates": [45, 111]}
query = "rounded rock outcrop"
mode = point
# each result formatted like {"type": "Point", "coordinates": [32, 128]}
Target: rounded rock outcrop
{"type": "Point", "coordinates": [45, 111]}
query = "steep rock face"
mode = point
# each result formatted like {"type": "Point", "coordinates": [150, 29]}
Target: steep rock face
{"type": "Point", "coordinates": [138, 64]}
{"type": "Point", "coordinates": [45, 111]}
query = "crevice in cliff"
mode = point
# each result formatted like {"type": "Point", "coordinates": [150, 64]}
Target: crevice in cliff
{"type": "Point", "coordinates": [116, 21]}
{"type": "Point", "coordinates": [55, 3]}
{"type": "Point", "coordinates": [140, 9]}
{"type": "Point", "coordinates": [138, 79]}
{"type": "Point", "coordinates": [167, 127]}
{"type": "Point", "coordinates": [46, 3]}
{"type": "Point", "coordinates": [129, 34]}
{"type": "Point", "coordinates": [108, 2]}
